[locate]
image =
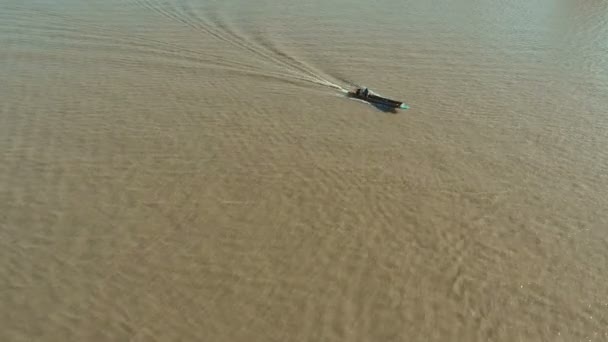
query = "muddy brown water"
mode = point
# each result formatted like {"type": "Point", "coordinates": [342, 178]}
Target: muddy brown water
{"type": "Point", "coordinates": [185, 170]}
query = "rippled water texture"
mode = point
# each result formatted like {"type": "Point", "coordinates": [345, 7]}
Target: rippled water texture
{"type": "Point", "coordinates": [182, 170]}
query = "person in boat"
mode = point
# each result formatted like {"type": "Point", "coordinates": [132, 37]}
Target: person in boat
{"type": "Point", "coordinates": [363, 92]}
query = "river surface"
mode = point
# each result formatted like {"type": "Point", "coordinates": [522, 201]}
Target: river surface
{"type": "Point", "coordinates": [183, 170]}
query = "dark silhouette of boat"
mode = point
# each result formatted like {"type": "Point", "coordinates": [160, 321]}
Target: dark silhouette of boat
{"type": "Point", "coordinates": [365, 95]}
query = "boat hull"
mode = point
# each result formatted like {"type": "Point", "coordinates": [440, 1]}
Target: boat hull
{"type": "Point", "coordinates": [378, 100]}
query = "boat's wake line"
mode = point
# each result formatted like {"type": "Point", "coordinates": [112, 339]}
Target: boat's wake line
{"type": "Point", "coordinates": [209, 20]}
{"type": "Point", "coordinates": [256, 42]}
{"type": "Point", "coordinates": [328, 83]}
{"type": "Point", "coordinates": [316, 80]}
